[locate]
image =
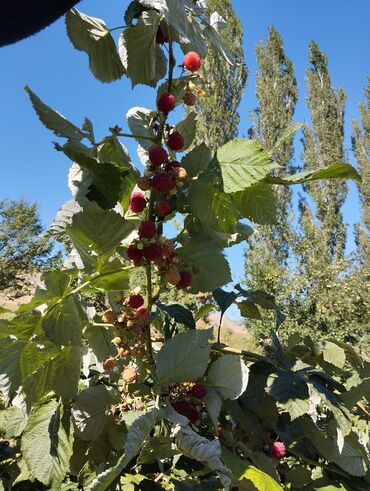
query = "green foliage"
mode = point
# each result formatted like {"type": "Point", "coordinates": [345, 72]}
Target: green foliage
{"type": "Point", "coordinates": [94, 377]}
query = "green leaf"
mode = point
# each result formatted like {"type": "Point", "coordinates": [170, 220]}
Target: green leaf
{"type": "Point", "coordinates": [224, 299]}
{"type": "Point", "coordinates": [213, 268]}
{"type": "Point", "coordinates": [54, 121]}
{"type": "Point", "coordinates": [89, 412]}
{"type": "Point", "coordinates": [91, 35]}
{"type": "Point", "coordinates": [179, 314]}
{"type": "Point", "coordinates": [261, 480]}
{"type": "Point", "coordinates": [257, 203]}
{"type": "Point", "coordinates": [204, 310]}
{"type": "Point", "coordinates": [291, 391]}
{"type": "Point", "coordinates": [197, 160]}
{"type": "Point", "coordinates": [355, 394]}
{"type": "Point", "coordinates": [132, 12]}
{"type": "Point", "coordinates": [179, 86]}
{"type": "Point", "coordinates": [213, 207]}
{"type": "Point", "coordinates": [138, 433]}
{"type": "Point", "coordinates": [249, 309]}
{"type": "Point", "coordinates": [113, 276]}
{"type": "Point", "coordinates": [184, 357]}
{"type": "Point", "coordinates": [157, 448]}
{"type": "Point", "coordinates": [187, 128]}
{"type": "Point", "coordinates": [46, 445]}
{"type": "Point", "coordinates": [139, 43]}
{"type": "Point", "coordinates": [140, 121]}
{"type": "Point", "coordinates": [100, 341]}
{"type": "Point", "coordinates": [96, 233]}
{"type": "Point", "coordinates": [334, 354]}
{"type": "Point", "coordinates": [243, 163]}
{"type": "Point", "coordinates": [337, 170]}
{"type": "Point", "coordinates": [12, 422]}
{"type": "Point", "coordinates": [62, 323]}
{"type": "Point", "coordinates": [287, 135]}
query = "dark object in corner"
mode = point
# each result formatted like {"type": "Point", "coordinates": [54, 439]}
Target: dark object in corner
{"type": "Point", "coordinates": [22, 18]}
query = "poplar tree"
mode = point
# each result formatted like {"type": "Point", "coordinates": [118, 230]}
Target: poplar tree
{"type": "Point", "coordinates": [224, 84]}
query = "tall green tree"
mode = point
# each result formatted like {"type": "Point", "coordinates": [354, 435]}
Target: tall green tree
{"type": "Point", "coordinates": [23, 248]}
{"type": "Point", "coordinates": [361, 148]}
{"type": "Point", "coordinates": [276, 91]}
{"type": "Point", "coordinates": [224, 84]}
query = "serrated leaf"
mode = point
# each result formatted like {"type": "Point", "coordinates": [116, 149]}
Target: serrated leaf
{"type": "Point", "coordinates": [89, 412]}
{"type": "Point", "coordinates": [187, 128]}
{"type": "Point", "coordinates": [249, 309]}
{"type": "Point", "coordinates": [12, 422]}
{"type": "Point", "coordinates": [132, 12]}
{"type": "Point", "coordinates": [54, 121]}
{"type": "Point", "coordinates": [224, 299]}
{"type": "Point", "coordinates": [139, 121]}
{"type": "Point", "coordinates": [184, 357]}
{"type": "Point", "coordinates": [63, 218]}
{"type": "Point", "coordinates": [62, 323]}
{"type": "Point", "coordinates": [355, 394]}
{"type": "Point", "coordinates": [334, 354]}
{"type": "Point", "coordinates": [243, 163]}
{"type": "Point", "coordinates": [179, 314]}
{"type": "Point", "coordinates": [46, 446]}
{"type": "Point", "coordinates": [204, 310]}
{"type": "Point", "coordinates": [212, 268]}
{"type": "Point", "coordinates": [100, 341]}
{"type": "Point", "coordinates": [92, 36]}
{"type": "Point", "coordinates": [139, 43]}
{"type": "Point", "coordinates": [337, 170]}
{"type": "Point", "coordinates": [197, 160]}
{"type": "Point", "coordinates": [261, 480]}
{"type": "Point", "coordinates": [257, 203]}
{"type": "Point", "coordinates": [287, 135]}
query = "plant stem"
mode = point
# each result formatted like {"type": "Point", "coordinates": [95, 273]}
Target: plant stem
{"type": "Point", "coordinates": [318, 464]}
{"type": "Point", "coordinates": [222, 348]}
{"type": "Point", "coordinates": [141, 137]}
{"type": "Point", "coordinates": [149, 287]}
{"type": "Point", "coordinates": [118, 27]}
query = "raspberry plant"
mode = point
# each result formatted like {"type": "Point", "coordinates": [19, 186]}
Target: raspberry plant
{"type": "Point", "coordinates": [103, 385]}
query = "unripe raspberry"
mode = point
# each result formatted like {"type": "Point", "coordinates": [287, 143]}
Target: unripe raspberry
{"type": "Point", "coordinates": [198, 391]}
{"type": "Point", "coordinates": [123, 352]}
{"type": "Point", "coordinates": [192, 61]}
{"type": "Point", "coordinates": [186, 279]}
{"type": "Point", "coordinates": [164, 208]}
{"type": "Point", "coordinates": [142, 315]}
{"type": "Point", "coordinates": [117, 341]}
{"type": "Point", "coordinates": [163, 183]}
{"type": "Point", "coordinates": [157, 155]}
{"type": "Point", "coordinates": [136, 301]}
{"type": "Point", "coordinates": [180, 173]}
{"type": "Point", "coordinates": [109, 364]}
{"type": "Point", "coordinates": [133, 253]}
{"type": "Point", "coordinates": [278, 449]}
{"type": "Point", "coordinates": [109, 317]}
{"type": "Point", "coordinates": [152, 252]}
{"type": "Point", "coordinates": [173, 277]}
{"type": "Point", "coordinates": [169, 246]}
{"type": "Point", "coordinates": [166, 103]}
{"type": "Point", "coordinates": [147, 229]}
{"type": "Point", "coordinates": [144, 183]}
{"type": "Point", "coordinates": [160, 37]}
{"type": "Point", "coordinates": [129, 374]}
{"type": "Point", "coordinates": [130, 324]}
{"type": "Point", "coordinates": [176, 141]}
{"type": "Point", "coordinates": [137, 202]}
{"type": "Point", "coordinates": [170, 166]}
{"type": "Point", "coordinates": [190, 99]}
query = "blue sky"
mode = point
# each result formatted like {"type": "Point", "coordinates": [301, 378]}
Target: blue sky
{"type": "Point", "coordinates": [47, 62]}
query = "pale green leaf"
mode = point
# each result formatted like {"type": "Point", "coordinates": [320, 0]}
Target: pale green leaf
{"type": "Point", "coordinates": [334, 354]}
{"type": "Point", "coordinates": [197, 159]}
{"type": "Point", "coordinates": [229, 376]}
{"type": "Point", "coordinates": [12, 422]}
{"type": "Point", "coordinates": [140, 122]}
{"type": "Point", "coordinates": [187, 128]}
{"type": "Point", "coordinates": [287, 135]}
{"type": "Point", "coordinates": [257, 203]}
{"type": "Point", "coordinates": [261, 480]}
{"type": "Point", "coordinates": [62, 323]}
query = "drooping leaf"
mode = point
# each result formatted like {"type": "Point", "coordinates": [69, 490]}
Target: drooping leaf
{"type": "Point", "coordinates": [92, 36]}
{"type": "Point", "coordinates": [54, 121]}
{"type": "Point", "coordinates": [179, 314]}
{"type": "Point", "coordinates": [139, 43]}
{"type": "Point", "coordinates": [243, 163]}
{"type": "Point", "coordinates": [257, 203]}
{"type": "Point", "coordinates": [139, 121]}
{"type": "Point", "coordinates": [184, 357]}
{"type": "Point", "coordinates": [249, 309]}
{"type": "Point", "coordinates": [46, 445]}
{"type": "Point", "coordinates": [287, 135]}
{"type": "Point", "coordinates": [224, 299]}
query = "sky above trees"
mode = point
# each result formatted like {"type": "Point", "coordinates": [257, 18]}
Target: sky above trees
{"type": "Point", "coordinates": [33, 170]}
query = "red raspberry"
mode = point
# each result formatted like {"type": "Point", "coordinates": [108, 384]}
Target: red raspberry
{"type": "Point", "coordinates": [152, 252]}
{"type": "Point", "coordinates": [192, 61]}
{"type": "Point", "coordinates": [166, 103]}
{"type": "Point", "coordinates": [278, 449]}
{"type": "Point", "coordinates": [161, 38]}
{"type": "Point", "coordinates": [133, 253]}
{"type": "Point", "coordinates": [198, 391]}
{"type": "Point", "coordinates": [147, 229]}
{"type": "Point", "coordinates": [186, 279]}
{"type": "Point", "coordinates": [157, 155]}
{"type": "Point", "coordinates": [135, 301]}
{"type": "Point", "coordinates": [142, 314]}
{"type": "Point", "coordinates": [171, 165]}
{"type": "Point", "coordinates": [190, 99]}
{"type": "Point", "coordinates": [184, 408]}
{"type": "Point", "coordinates": [164, 208]}
{"type": "Point", "coordinates": [163, 183]}
{"type": "Point", "coordinates": [176, 141]}
{"type": "Point", "coordinates": [137, 202]}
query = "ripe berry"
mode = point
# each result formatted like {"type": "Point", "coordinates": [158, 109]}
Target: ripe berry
{"type": "Point", "coordinates": [166, 103]}
{"type": "Point", "coordinates": [163, 183]}
{"type": "Point", "coordinates": [190, 99]}
{"type": "Point", "coordinates": [184, 408]}
{"type": "Point", "coordinates": [192, 61]}
{"type": "Point", "coordinates": [147, 229]}
{"type": "Point", "coordinates": [278, 449]}
{"type": "Point", "coordinates": [161, 38]}
{"type": "Point", "coordinates": [142, 315]}
{"type": "Point", "coordinates": [171, 165]}
{"type": "Point", "coordinates": [136, 301]}
{"type": "Point", "coordinates": [109, 364]}
{"type": "Point", "coordinates": [173, 277]}
{"type": "Point", "coordinates": [176, 141]}
{"type": "Point", "coordinates": [133, 253]}
{"type": "Point", "coordinates": [152, 252]}
{"type": "Point", "coordinates": [198, 391]}
{"type": "Point", "coordinates": [157, 155]}
{"type": "Point", "coordinates": [164, 208]}
{"type": "Point", "coordinates": [143, 183]}
{"type": "Point", "coordinates": [137, 202]}
{"type": "Point", "coordinates": [186, 279]}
